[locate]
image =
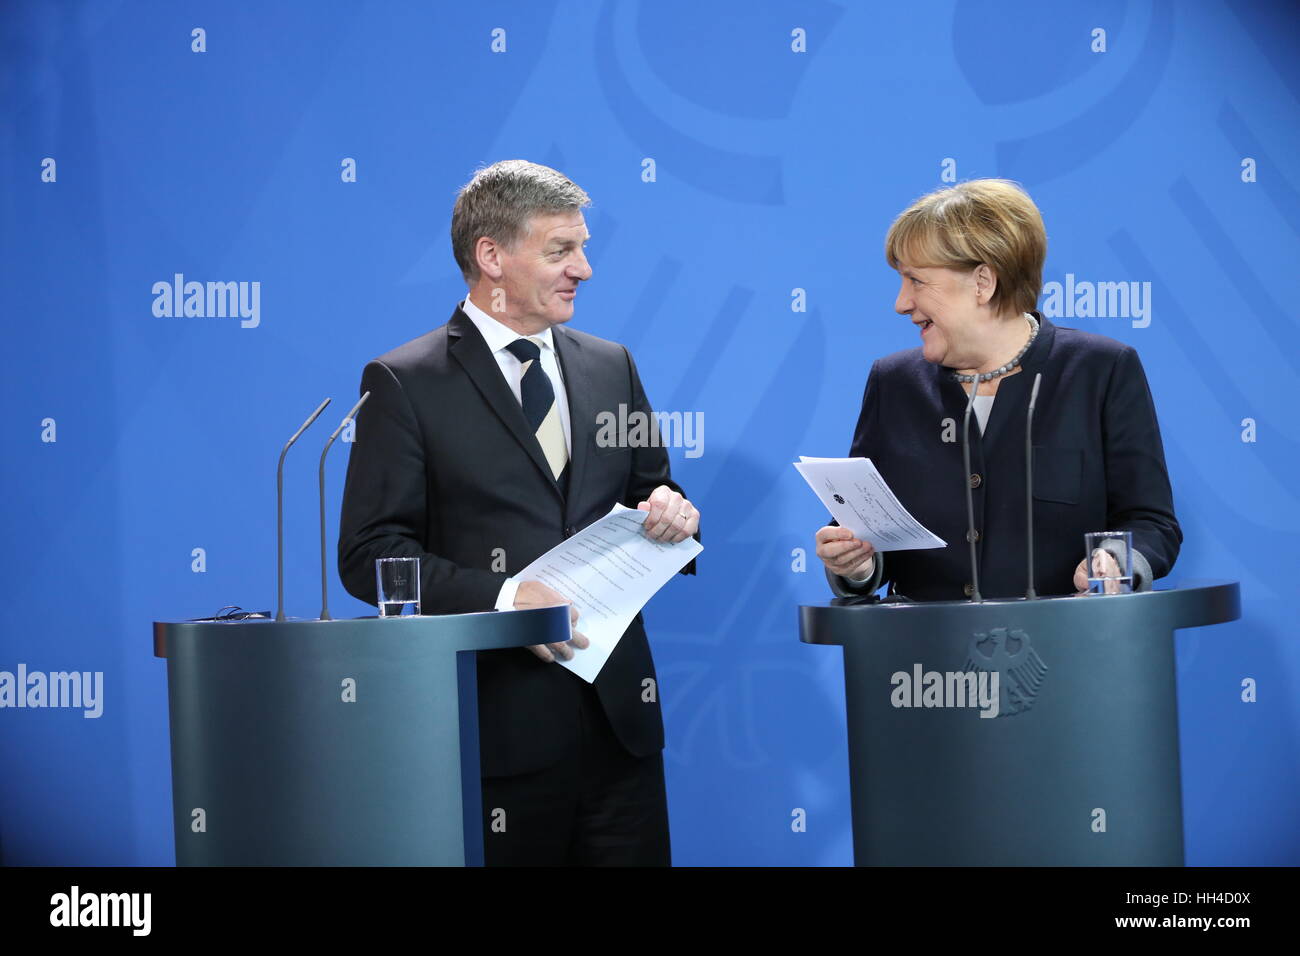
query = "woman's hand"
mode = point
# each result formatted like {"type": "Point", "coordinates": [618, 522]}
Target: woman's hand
{"type": "Point", "coordinates": [1108, 567]}
{"type": "Point", "coordinates": [844, 554]}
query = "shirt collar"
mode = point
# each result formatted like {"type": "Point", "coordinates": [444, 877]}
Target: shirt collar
{"type": "Point", "coordinates": [496, 334]}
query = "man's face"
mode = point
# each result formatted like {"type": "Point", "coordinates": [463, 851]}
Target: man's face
{"type": "Point", "coordinates": [540, 275]}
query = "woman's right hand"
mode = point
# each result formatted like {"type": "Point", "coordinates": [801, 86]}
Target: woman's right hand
{"type": "Point", "coordinates": [844, 554]}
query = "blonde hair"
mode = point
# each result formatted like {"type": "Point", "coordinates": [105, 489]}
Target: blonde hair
{"type": "Point", "coordinates": [983, 221]}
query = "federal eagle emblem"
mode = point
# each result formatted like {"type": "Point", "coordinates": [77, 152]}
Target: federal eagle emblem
{"type": "Point", "coordinates": [1021, 671]}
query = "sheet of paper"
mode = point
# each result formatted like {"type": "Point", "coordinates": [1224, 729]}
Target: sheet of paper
{"type": "Point", "coordinates": [856, 494]}
{"type": "Point", "coordinates": [609, 570]}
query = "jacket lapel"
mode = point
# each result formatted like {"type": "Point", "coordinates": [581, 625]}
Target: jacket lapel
{"type": "Point", "coordinates": [582, 410]}
{"type": "Point", "coordinates": [952, 398]}
{"type": "Point", "coordinates": [466, 345]}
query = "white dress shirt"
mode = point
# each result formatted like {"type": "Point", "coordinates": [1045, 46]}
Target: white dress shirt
{"type": "Point", "coordinates": [498, 336]}
{"type": "Point", "coordinates": [983, 405]}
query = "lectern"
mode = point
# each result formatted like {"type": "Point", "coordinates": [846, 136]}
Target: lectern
{"type": "Point", "coordinates": [1080, 765]}
{"type": "Point", "coordinates": [355, 742]}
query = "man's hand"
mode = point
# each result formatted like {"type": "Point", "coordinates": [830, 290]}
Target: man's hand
{"type": "Point", "coordinates": [537, 594]}
{"type": "Point", "coordinates": [844, 554]}
{"type": "Point", "coordinates": [1106, 564]}
{"type": "Point", "coordinates": [672, 518]}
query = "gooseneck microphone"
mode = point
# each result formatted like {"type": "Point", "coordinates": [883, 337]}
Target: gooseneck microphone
{"type": "Point", "coordinates": [279, 513]}
{"type": "Point", "coordinates": [970, 502]}
{"type": "Point", "coordinates": [324, 588]}
{"type": "Point", "coordinates": [1030, 593]}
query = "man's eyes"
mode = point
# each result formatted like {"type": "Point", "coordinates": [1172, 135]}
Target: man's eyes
{"type": "Point", "coordinates": [559, 253]}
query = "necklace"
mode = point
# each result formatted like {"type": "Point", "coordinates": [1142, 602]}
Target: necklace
{"type": "Point", "coordinates": [1010, 366]}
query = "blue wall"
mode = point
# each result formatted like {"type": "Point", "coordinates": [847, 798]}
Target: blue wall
{"type": "Point", "coordinates": [775, 170]}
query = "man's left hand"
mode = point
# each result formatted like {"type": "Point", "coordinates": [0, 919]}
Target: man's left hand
{"type": "Point", "coordinates": [672, 518]}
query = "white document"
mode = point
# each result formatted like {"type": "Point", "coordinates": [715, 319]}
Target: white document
{"type": "Point", "coordinates": [609, 570]}
{"type": "Point", "coordinates": [855, 493]}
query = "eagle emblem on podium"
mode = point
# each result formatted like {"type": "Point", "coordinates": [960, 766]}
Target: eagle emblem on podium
{"type": "Point", "coordinates": [1019, 667]}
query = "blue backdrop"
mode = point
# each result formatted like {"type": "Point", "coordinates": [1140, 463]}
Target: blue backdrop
{"type": "Point", "coordinates": [745, 159]}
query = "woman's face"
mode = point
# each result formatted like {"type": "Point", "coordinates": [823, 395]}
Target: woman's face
{"type": "Point", "coordinates": [945, 306]}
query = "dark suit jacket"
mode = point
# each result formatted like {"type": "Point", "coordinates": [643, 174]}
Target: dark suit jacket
{"type": "Point", "coordinates": [1099, 465]}
{"type": "Point", "coordinates": [444, 467]}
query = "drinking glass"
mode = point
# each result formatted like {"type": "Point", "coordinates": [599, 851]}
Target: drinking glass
{"type": "Point", "coordinates": [398, 581]}
{"type": "Point", "coordinates": [1110, 561]}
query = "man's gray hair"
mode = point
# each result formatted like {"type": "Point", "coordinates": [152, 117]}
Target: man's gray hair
{"type": "Point", "coordinates": [500, 200]}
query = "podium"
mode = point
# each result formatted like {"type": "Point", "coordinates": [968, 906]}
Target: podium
{"type": "Point", "coordinates": [316, 743]}
{"type": "Point", "coordinates": [1080, 766]}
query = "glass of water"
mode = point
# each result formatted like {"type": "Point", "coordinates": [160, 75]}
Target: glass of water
{"type": "Point", "coordinates": [1109, 561]}
{"type": "Point", "coordinates": [398, 581]}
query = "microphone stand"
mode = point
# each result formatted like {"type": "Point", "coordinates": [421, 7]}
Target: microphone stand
{"type": "Point", "coordinates": [324, 588]}
{"type": "Point", "coordinates": [279, 512]}
{"type": "Point", "coordinates": [970, 502]}
{"type": "Point", "coordinates": [1030, 593]}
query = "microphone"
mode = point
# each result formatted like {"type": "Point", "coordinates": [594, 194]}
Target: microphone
{"type": "Point", "coordinates": [324, 588]}
{"type": "Point", "coordinates": [1030, 593]}
{"type": "Point", "coordinates": [970, 503]}
{"type": "Point", "coordinates": [279, 513]}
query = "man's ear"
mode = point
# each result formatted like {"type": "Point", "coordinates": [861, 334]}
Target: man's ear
{"type": "Point", "coordinates": [986, 283]}
{"type": "Point", "coordinates": [487, 253]}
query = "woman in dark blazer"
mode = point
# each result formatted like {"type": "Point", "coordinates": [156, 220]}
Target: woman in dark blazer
{"type": "Point", "coordinates": [970, 258]}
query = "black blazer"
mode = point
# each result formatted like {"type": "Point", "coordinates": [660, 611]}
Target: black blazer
{"type": "Point", "coordinates": [1099, 465]}
{"type": "Point", "coordinates": [445, 467]}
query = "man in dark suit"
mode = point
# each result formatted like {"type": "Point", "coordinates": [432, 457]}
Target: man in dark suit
{"type": "Point", "coordinates": [477, 452]}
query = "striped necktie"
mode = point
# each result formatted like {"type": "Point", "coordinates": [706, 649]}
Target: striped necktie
{"type": "Point", "coordinates": [540, 410]}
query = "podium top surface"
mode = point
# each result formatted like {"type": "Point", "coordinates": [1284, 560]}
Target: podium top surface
{"type": "Point", "coordinates": [476, 631]}
{"type": "Point", "coordinates": [1195, 604]}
